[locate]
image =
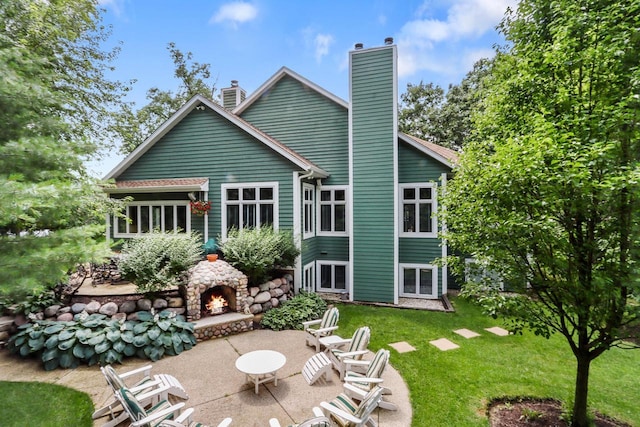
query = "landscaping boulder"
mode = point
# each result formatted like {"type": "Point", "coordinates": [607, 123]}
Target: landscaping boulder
{"type": "Point", "coordinates": [159, 304]}
{"type": "Point", "coordinates": [65, 317]}
{"type": "Point", "coordinates": [262, 297]}
{"type": "Point", "coordinates": [175, 302]}
{"type": "Point", "coordinates": [144, 304]}
{"type": "Point", "coordinates": [51, 311]}
{"type": "Point", "coordinates": [109, 309]}
{"type": "Point", "coordinates": [92, 307]}
{"type": "Point", "coordinates": [128, 307]}
{"type": "Point", "coordinates": [78, 307]}
{"type": "Point", "coordinates": [119, 316]}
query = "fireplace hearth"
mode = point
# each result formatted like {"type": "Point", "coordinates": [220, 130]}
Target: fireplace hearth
{"type": "Point", "coordinates": [217, 300]}
{"type": "Point", "coordinates": [217, 285]}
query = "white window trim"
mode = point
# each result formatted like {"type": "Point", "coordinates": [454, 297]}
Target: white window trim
{"type": "Point", "coordinates": [417, 267]}
{"type": "Point", "coordinates": [241, 185]}
{"type": "Point", "coordinates": [319, 205]}
{"type": "Point", "coordinates": [311, 189]}
{"type": "Point", "coordinates": [309, 272]}
{"type": "Point", "coordinates": [333, 264]}
{"type": "Point", "coordinates": [434, 210]}
{"type": "Point", "coordinates": [151, 203]}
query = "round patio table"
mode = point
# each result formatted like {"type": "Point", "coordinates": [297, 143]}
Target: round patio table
{"type": "Point", "coordinates": [261, 366]}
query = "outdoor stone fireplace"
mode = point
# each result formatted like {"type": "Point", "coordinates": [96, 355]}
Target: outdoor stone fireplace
{"type": "Point", "coordinates": [213, 280]}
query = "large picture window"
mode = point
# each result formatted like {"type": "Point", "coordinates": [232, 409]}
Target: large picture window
{"type": "Point", "coordinates": [418, 281]}
{"type": "Point", "coordinates": [332, 276]}
{"type": "Point", "coordinates": [332, 208]}
{"type": "Point", "coordinates": [308, 211]}
{"type": "Point", "coordinates": [418, 204]}
{"type": "Point", "coordinates": [249, 206]}
{"type": "Point", "coordinates": [144, 217]}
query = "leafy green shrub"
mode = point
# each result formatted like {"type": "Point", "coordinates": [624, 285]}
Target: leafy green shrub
{"type": "Point", "coordinates": [258, 251]}
{"type": "Point", "coordinates": [95, 339]}
{"type": "Point", "coordinates": [38, 300]}
{"type": "Point", "coordinates": [290, 315]}
{"type": "Point", "coordinates": [156, 261]}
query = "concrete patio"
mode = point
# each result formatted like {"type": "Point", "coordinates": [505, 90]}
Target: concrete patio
{"type": "Point", "coordinates": [218, 390]}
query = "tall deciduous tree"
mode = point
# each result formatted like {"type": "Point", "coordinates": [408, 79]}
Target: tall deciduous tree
{"type": "Point", "coordinates": [428, 113]}
{"type": "Point", "coordinates": [548, 190]}
{"type": "Point", "coordinates": [136, 125]}
{"type": "Point", "coordinates": [53, 98]}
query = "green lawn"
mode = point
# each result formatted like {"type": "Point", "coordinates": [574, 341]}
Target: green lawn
{"type": "Point", "coordinates": [42, 404]}
{"type": "Point", "coordinates": [452, 388]}
{"type": "Point", "coordinates": [447, 388]}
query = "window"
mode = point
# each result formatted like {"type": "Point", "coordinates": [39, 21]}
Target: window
{"type": "Point", "coordinates": [144, 217]}
{"type": "Point", "coordinates": [332, 276]}
{"type": "Point", "coordinates": [418, 281]}
{"type": "Point", "coordinates": [249, 205]}
{"type": "Point", "coordinates": [418, 204]}
{"type": "Point", "coordinates": [308, 209]}
{"type": "Point", "coordinates": [309, 277]}
{"type": "Point", "coordinates": [333, 211]}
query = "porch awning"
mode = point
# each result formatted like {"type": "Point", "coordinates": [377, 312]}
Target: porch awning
{"type": "Point", "coordinates": [169, 185]}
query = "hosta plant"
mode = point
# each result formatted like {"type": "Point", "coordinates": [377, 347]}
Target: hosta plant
{"type": "Point", "coordinates": [290, 315]}
{"type": "Point", "coordinates": [91, 339]}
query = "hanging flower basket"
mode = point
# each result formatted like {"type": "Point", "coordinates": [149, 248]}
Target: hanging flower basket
{"type": "Point", "coordinates": [200, 207]}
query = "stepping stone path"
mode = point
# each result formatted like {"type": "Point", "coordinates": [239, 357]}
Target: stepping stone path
{"type": "Point", "coordinates": [498, 331]}
{"type": "Point", "coordinates": [402, 347]}
{"type": "Point", "coordinates": [444, 344]}
{"type": "Point", "coordinates": [466, 333]}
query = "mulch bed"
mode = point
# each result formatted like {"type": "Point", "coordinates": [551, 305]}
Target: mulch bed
{"type": "Point", "coordinates": [517, 412]}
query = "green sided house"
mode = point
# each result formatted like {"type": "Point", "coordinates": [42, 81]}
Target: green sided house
{"type": "Point", "coordinates": [360, 197]}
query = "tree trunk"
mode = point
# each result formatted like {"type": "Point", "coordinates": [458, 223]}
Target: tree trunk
{"type": "Point", "coordinates": [579, 418]}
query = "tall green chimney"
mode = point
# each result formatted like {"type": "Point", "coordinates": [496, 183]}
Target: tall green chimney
{"type": "Point", "coordinates": [373, 135]}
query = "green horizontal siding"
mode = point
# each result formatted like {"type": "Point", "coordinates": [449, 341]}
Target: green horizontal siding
{"type": "Point", "coordinates": [419, 251]}
{"type": "Point", "coordinates": [205, 144]}
{"type": "Point", "coordinates": [415, 166]}
{"type": "Point", "coordinates": [373, 139]}
{"type": "Point", "coordinates": [306, 121]}
{"type": "Point", "coordinates": [325, 248]}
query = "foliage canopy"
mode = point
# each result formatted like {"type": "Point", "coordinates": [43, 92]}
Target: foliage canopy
{"type": "Point", "coordinates": [546, 193]}
{"type": "Point", "coordinates": [54, 103]}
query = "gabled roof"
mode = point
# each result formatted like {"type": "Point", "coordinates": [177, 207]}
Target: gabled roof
{"type": "Point", "coordinates": [282, 72]}
{"type": "Point", "coordinates": [444, 155]}
{"type": "Point", "coordinates": [153, 185]}
{"type": "Point", "coordinates": [197, 100]}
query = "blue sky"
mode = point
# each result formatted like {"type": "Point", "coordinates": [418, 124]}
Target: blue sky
{"type": "Point", "coordinates": [438, 40]}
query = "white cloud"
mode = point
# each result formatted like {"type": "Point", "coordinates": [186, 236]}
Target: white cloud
{"type": "Point", "coordinates": [322, 43]}
{"type": "Point", "coordinates": [235, 13]}
{"type": "Point", "coordinates": [446, 45]}
{"type": "Point", "coordinates": [317, 42]}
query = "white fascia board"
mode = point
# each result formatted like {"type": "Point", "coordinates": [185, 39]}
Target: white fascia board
{"type": "Point", "coordinates": [425, 150]}
{"type": "Point", "coordinates": [284, 71]}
